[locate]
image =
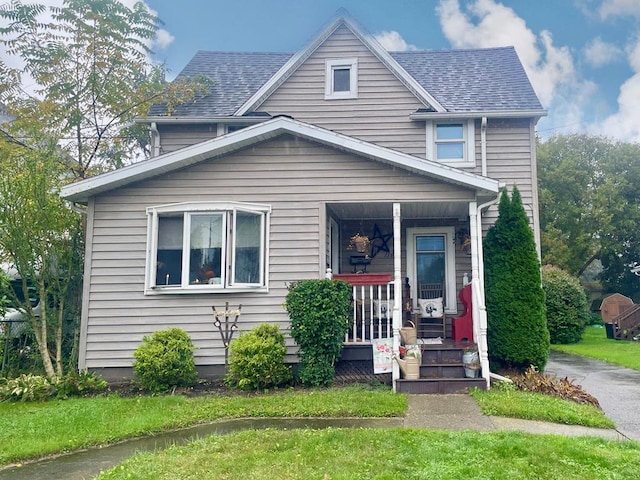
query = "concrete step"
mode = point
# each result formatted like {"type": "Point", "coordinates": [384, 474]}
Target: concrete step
{"type": "Point", "coordinates": [439, 385]}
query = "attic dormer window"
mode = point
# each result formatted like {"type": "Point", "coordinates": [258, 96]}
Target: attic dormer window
{"type": "Point", "coordinates": [341, 78]}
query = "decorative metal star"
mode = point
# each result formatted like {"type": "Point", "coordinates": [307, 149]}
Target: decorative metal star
{"type": "Point", "coordinates": [379, 241]}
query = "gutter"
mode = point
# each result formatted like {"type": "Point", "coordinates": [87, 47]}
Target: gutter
{"type": "Point", "coordinates": [422, 115]}
{"type": "Point", "coordinates": [244, 120]}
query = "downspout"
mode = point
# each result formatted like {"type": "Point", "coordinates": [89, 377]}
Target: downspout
{"type": "Point", "coordinates": [483, 145]}
{"type": "Point", "coordinates": [76, 208]}
{"type": "Point", "coordinates": [397, 288]}
{"type": "Point", "coordinates": [479, 308]}
{"type": "Point", "coordinates": [155, 140]}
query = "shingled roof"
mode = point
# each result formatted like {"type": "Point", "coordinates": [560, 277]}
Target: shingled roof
{"type": "Point", "coordinates": [477, 80]}
{"type": "Point", "coordinates": [472, 80]}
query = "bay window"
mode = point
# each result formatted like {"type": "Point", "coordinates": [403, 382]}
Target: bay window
{"type": "Point", "coordinates": [206, 247]}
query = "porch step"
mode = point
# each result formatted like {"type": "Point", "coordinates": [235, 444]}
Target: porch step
{"type": "Point", "coordinates": [436, 354]}
{"type": "Point", "coordinates": [439, 385]}
{"type": "Point", "coordinates": [442, 370]}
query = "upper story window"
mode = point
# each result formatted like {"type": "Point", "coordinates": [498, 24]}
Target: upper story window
{"type": "Point", "coordinates": [341, 78]}
{"type": "Point", "coordinates": [451, 142]}
{"type": "Point", "coordinates": [206, 247]}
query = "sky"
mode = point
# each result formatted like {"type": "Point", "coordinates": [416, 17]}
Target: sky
{"type": "Point", "coordinates": [582, 56]}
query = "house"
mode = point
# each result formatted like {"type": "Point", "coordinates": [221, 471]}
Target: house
{"type": "Point", "coordinates": [264, 182]}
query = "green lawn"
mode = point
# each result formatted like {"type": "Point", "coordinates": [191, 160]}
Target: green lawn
{"type": "Point", "coordinates": [394, 453]}
{"type": "Point", "coordinates": [31, 430]}
{"type": "Point", "coordinates": [537, 406]}
{"type": "Point", "coordinates": [595, 344]}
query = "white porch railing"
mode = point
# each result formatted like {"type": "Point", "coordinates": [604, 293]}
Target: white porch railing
{"type": "Point", "coordinates": [372, 311]}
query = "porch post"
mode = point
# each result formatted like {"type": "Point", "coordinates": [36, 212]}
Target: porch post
{"type": "Point", "coordinates": [479, 311]}
{"type": "Point", "coordinates": [397, 291]}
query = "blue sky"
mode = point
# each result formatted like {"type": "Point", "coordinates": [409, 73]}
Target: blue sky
{"type": "Point", "coordinates": [582, 56]}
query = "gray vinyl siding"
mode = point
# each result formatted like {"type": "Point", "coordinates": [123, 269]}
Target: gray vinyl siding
{"type": "Point", "coordinates": [295, 177]}
{"type": "Point", "coordinates": [509, 159]}
{"type": "Point", "coordinates": [379, 115]}
{"type": "Point", "coordinates": [175, 137]}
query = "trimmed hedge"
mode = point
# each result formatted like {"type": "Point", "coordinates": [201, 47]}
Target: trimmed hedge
{"type": "Point", "coordinates": [319, 312]}
{"type": "Point", "coordinates": [567, 306]}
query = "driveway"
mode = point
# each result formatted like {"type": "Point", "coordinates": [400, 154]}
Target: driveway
{"type": "Point", "coordinates": [616, 388]}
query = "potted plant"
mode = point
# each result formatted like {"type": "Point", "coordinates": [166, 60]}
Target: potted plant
{"type": "Point", "coordinates": [471, 362]}
{"type": "Point", "coordinates": [359, 243]}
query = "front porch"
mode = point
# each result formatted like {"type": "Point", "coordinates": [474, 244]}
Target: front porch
{"type": "Point", "coordinates": [426, 252]}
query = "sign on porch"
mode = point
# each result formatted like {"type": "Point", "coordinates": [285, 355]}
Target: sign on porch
{"type": "Point", "coordinates": [382, 355]}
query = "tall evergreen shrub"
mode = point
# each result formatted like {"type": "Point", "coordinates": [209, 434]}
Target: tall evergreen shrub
{"type": "Point", "coordinates": [319, 312]}
{"type": "Point", "coordinates": [517, 328]}
{"type": "Point", "coordinates": [567, 306]}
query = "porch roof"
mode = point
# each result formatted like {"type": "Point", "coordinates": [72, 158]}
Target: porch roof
{"type": "Point", "coordinates": [83, 190]}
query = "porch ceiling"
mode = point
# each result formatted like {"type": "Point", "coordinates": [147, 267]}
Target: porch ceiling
{"type": "Point", "coordinates": [409, 210]}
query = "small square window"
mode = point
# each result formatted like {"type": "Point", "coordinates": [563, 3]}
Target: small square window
{"type": "Point", "coordinates": [451, 142]}
{"type": "Point", "coordinates": [341, 79]}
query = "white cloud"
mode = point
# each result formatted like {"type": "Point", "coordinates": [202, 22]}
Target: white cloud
{"type": "Point", "coordinates": [599, 53]}
{"type": "Point", "coordinates": [619, 8]}
{"type": "Point", "coordinates": [490, 24]}
{"type": "Point", "coordinates": [393, 42]}
{"type": "Point", "coordinates": [163, 39]}
{"type": "Point", "coordinates": [625, 123]}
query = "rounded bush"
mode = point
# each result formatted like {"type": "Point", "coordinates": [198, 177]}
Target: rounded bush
{"type": "Point", "coordinates": [256, 359]}
{"type": "Point", "coordinates": [567, 307]}
{"type": "Point", "coordinates": [165, 360]}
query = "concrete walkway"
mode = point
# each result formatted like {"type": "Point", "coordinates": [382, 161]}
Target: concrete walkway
{"type": "Point", "coordinates": [461, 412]}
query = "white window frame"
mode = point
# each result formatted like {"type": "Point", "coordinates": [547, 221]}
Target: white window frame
{"type": "Point", "coordinates": [338, 64]}
{"type": "Point", "coordinates": [229, 212]}
{"type": "Point", "coordinates": [450, 302]}
{"type": "Point", "coordinates": [469, 148]}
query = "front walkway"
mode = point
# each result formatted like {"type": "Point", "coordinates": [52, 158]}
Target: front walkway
{"type": "Point", "coordinates": [461, 412]}
{"type": "Point", "coordinates": [616, 388]}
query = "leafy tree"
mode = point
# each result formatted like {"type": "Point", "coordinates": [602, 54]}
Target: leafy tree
{"type": "Point", "coordinates": [590, 207]}
{"type": "Point", "coordinates": [42, 237]}
{"type": "Point", "coordinates": [93, 76]}
{"type": "Point", "coordinates": [517, 331]}
{"type": "Point", "coordinates": [89, 66]}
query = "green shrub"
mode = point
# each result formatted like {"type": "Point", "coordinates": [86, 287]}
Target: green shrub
{"type": "Point", "coordinates": [517, 328]}
{"type": "Point", "coordinates": [27, 388]}
{"type": "Point", "coordinates": [319, 312]}
{"type": "Point", "coordinates": [38, 388]}
{"type": "Point", "coordinates": [567, 307]}
{"type": "Point", "coordinates": [80, 385]}
{"type": "Point", "coordinates": [256, 359]}
{"type": "Point", "coordinates": [165, 360]}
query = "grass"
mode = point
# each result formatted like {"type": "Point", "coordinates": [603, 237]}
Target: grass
{"type": "Point", "coordinates": [31, 430]}
{"type": "Point", "coordinates": [393, 453]}
{"type": "Point", "coordinates": [537, 406]}
{"type": "Point", "coordinates": [595, 344]}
